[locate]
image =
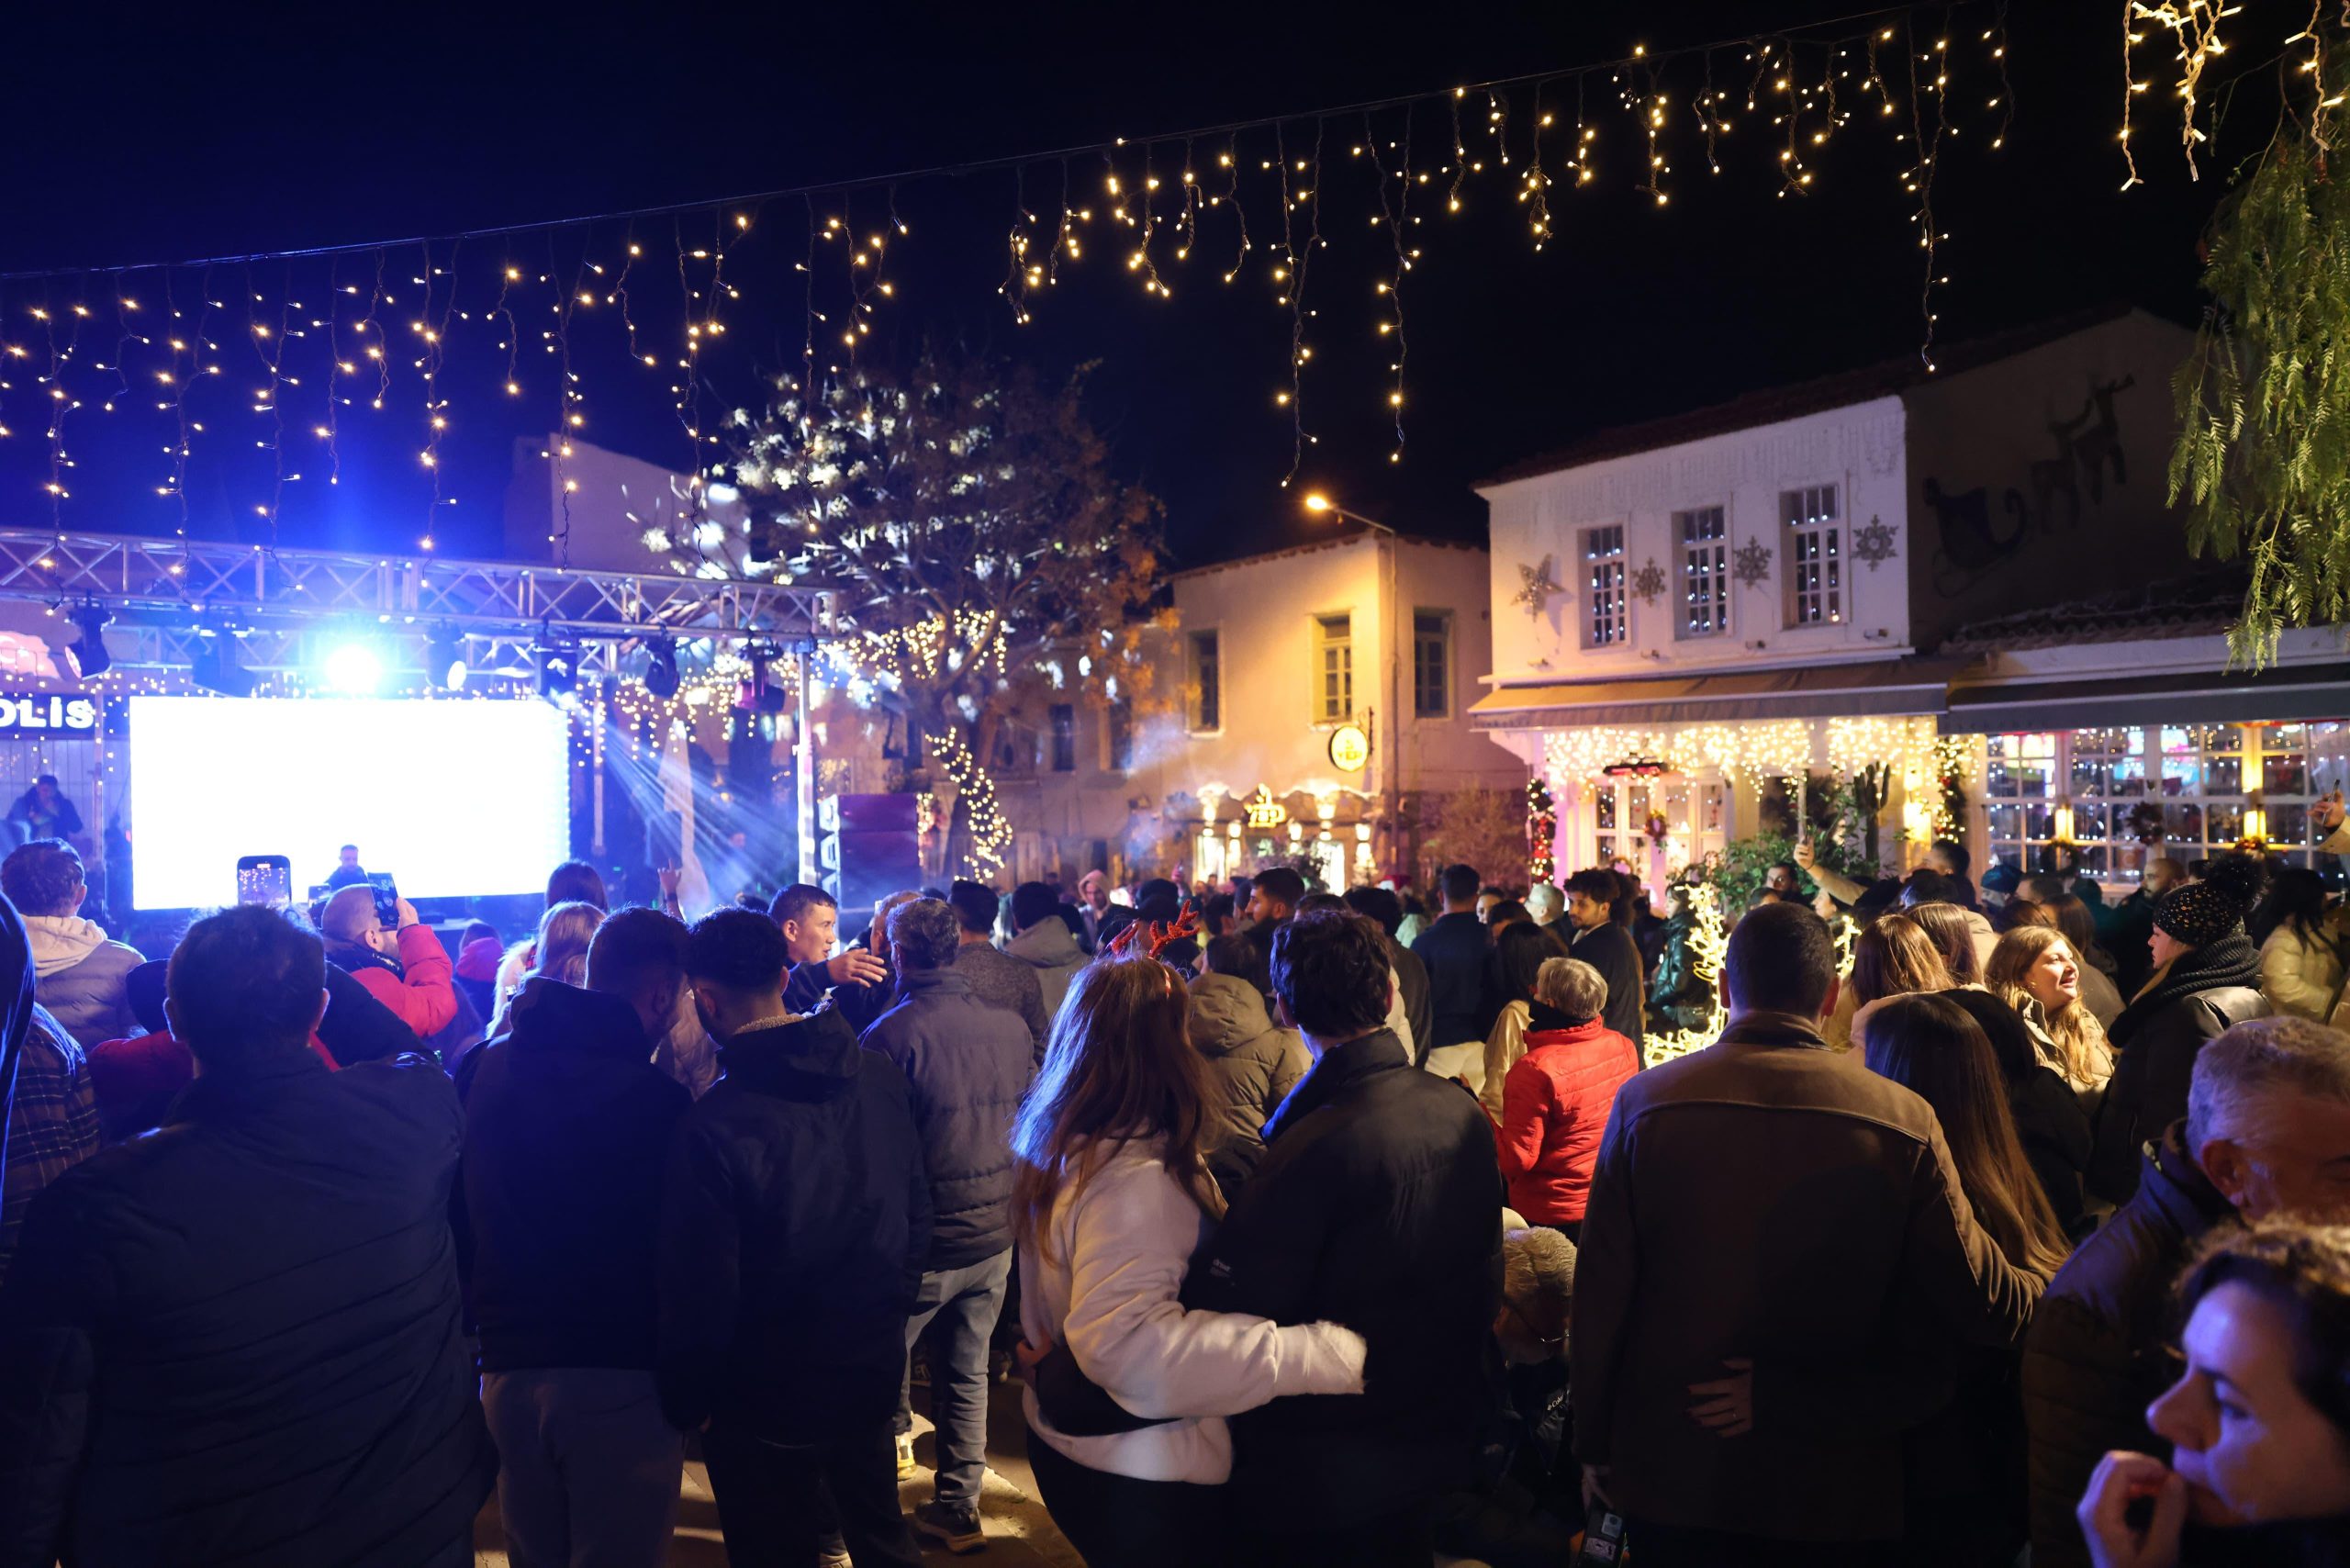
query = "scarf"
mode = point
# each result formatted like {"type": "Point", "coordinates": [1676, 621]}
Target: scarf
{"type": "Point", "coordinates": [2231, 960]}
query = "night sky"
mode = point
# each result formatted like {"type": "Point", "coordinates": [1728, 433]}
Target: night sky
{"type": "Point", "coordinates": [143, 134]}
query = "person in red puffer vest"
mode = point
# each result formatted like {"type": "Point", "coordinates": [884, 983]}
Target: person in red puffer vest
{"type": "Point", "coordinates": [1557, 1096]}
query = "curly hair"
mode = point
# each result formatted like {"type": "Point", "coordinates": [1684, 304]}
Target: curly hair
{"type": "Point", "coordinates": [43, 877]}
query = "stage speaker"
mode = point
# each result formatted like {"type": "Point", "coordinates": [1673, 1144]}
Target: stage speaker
{"type": "Point", "coordinates": [867, 847]}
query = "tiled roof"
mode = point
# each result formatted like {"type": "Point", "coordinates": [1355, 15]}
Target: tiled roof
{"type": "Point", "coordinates": [2199, 605]}
{"type": "Point", "coordinates": [1776, 404]}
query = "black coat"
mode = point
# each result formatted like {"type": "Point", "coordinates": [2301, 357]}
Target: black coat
{"type": "Point", "coordinates": [567, 1130]}
{"type": "Point", "coordinates": [1412, 979]}
{"type": "Point", "coordinates": [237, 1340]}
{"type": "Point", "coordinates": [2055, 1131]}
{"type": "Point", "coordinates": [2155, 1042]}
{"type": "Point", "coordinates": [1609, 948]}
{"type": "Point", "coordinates": [2097, 1353]}
{"type": "Point", "coordinates": [1377, 1205]}
{"type": "Point", "coordinates": [968, 1065]}
{"type": "Point", "coordinates": [1454, 950]}
{"type": "Point", "coordinates": [793, 1227]}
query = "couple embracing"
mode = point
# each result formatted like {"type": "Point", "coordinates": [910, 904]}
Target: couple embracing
{"type": "Point", "coordinates": [1292, 1380]}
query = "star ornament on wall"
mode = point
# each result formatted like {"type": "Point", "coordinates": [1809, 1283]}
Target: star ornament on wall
{"type": "Point", "coordinates": [1873, 542]}
{"type": "Point", "coordinates": [1647, 583]}
{"type": "Point", "coordinates": [1750, 561]}
{"type": "Point", "coordinates": [1536, 586]}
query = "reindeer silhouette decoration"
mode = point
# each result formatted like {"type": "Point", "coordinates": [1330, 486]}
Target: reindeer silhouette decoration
{"type": "Point", "coordinates": [1971, 542]}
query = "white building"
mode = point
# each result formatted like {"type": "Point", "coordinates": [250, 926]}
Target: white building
{"type": "Point", "coordinates": [1814, 578]}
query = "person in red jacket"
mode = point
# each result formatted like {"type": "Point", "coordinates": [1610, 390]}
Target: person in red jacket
{"type": "Point", "coordinates": [406, 970]}
{"type": "Point", "coordinates": [1557, 1096]}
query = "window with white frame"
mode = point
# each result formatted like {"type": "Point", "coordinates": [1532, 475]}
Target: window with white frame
{"type": "Point", "coordinates": [1704, 536]}
{"type": "Point", "coordinates": [1431, 664]}
{"type": "Point", "coordinates": [1604, 621]}
{"type": "Point", "coordinates": [1334, 668]}
{"type": "Point", "coordinates": [2103, 802]}
{"type": "Point", "coordinates": [1813, 538]}
{"type": "Point", "coordinates": [1207, 682]}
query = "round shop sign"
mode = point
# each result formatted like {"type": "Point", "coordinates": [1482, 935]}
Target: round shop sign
{"type": "Point", "coordinates": [1349, 748]}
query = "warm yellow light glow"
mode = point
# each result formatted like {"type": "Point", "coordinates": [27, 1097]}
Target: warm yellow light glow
{"type": "Point", "coordinates": [1316, 501]}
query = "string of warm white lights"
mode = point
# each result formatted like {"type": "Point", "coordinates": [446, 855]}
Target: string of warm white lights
{"type": "Point", "coordinates": [326, 341]}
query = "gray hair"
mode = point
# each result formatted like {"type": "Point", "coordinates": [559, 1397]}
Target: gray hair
{"type": "Point", "coordinates": [1545, 896]}
{"type": "Point", "coordinates": [1539, 1265]}
{"type": "Point", "coordinates": [1572, 986]}
{"type": "Point", "coordinates": [2257, 1061]}
{"type": "Point", "coordinates": [925, 934]}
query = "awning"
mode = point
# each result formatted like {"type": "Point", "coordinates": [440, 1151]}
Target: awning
{"type": "Point", "coordinates": [1887, 688]}
{"type": "Point", "coordinates": [2196, 697]}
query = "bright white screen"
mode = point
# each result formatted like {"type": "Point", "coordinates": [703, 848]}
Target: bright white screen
{"type": "Point", "coordinates": [452, 798]}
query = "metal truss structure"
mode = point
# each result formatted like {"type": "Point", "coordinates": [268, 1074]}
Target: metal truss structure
{"type": "Point", "coordinates": [168, 597]}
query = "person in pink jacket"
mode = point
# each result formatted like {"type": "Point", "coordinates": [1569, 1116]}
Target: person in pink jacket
{"type": "Point", "coordinates": [406, 969]}
{"type": "Point", "coordinates": [1556, 1097]}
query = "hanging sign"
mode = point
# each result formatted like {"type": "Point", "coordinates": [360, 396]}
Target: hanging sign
{"type": "Point", "coordinates": [1349, 748]}
{"type": "Point", "coordinates": [49, 717]}
{"type": "Point", "coordinates": [1262, 811]}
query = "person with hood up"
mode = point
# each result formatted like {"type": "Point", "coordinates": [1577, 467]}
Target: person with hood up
{"type": "Point", "coordinates": [478, 957]}
{"type": "Point", "coordinates": [52, 1107]}
{"type": "Point", "coordinates": [406, 970]}
{"type": "Point", "coordinates": [1252, 1063]}
{"type": "Point", "coordinates": [2206, 980]}
{"type": "Point", "coordinates": [1042, 940]}
{"type": "Point", "coordinates": [80, 973]}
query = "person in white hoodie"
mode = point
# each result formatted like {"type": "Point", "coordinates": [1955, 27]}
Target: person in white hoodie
{"type": "Point", "coordinates": [1042, 939]}
{"type": "Point", "coordinates": [1110, 1200]}
{"type": "Point", "coordinates": [82, 975]}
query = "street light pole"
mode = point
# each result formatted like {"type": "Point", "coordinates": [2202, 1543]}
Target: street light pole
{"type": "Point", "coordinates": [1392, 758]}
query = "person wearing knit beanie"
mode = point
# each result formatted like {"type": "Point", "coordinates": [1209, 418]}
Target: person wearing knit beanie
{"type": "Point", "coordinates": [2196, 915]}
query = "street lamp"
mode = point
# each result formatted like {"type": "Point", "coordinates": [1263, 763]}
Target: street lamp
{"type": "Point", "coordinates": [1315, 501]}
{"type": "Point", "coordinates": [1390, 634]}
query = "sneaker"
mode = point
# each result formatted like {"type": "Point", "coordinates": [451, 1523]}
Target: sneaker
{"type": "Point", "coordinates": [954, 1525]}
{"type": "Point", "coordinates": [906, 1466]}
{"type": "Point", "coordinates": [831, 1551]}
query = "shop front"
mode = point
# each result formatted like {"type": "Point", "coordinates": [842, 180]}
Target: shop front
{"type": "Point", "coordinates": [1327, 833]}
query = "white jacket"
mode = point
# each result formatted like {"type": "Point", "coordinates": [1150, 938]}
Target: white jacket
{"type": "Point", "coordinates": [2297, 975]}
{"type": "Point", "coordinates": [1119, 1245]}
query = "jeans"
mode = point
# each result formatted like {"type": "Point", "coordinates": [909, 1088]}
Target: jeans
{"type": "Point", "coordinates": [588, 1467]}
{"type": "Point", "coordinates": [965, 1302]}
{"type": "Point", "coordinates": [769, 1498]}
{"type": "Point", "coordinates": [1116, 1521]}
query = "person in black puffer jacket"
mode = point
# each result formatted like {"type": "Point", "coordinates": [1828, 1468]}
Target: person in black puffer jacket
{"type": "Point", "coordinates": [237, 1340]}
{"type": "Point", "coordinates": [794, 1221]}
{"type": "Point", "coordinates": [2207, 980]}
{"type": "Point", "coordinates": [968, 1064]}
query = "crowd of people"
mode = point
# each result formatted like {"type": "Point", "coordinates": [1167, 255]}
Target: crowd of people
{"type": "Point", "coordinates": [1324, 1226]}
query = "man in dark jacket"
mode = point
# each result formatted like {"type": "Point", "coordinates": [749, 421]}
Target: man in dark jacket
{"type": "Point", "coordinates": [1377, 1205]}
{"type": "Point", "coordinates": [968, 1064]}
{"type": "Point", "coordinates": [567, 1131]}
{"type": "Point", "coordinates": [810, 920]}
{"type": "Point", "coordinates": [1383, 908]}
{"type": "Point", "coordinates": [794, 1221]}
{"type": "Point", "coordinates": [2267, 1133]}
{"type": "Point", "coordinates": [995, 977]}
{"type": "Point", "coordinates": [239, 1339]}
{"type": "Point", "coordinates": [1733, 1187]}
{"type": "Point", "coordinates": [1599, 941]}
{"type": "Point", "coordinates": [1453, 951]}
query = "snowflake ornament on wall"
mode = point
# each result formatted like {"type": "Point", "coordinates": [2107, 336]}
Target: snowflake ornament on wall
{"type": "Point", "coordinates": [1750, 561]}
{"type": "Point", "coordinates": [1649, 582]}
{"type": "Point", "coordinates": [1873, 542]}
{"type": "Point", "coordinates": [1535, 587]}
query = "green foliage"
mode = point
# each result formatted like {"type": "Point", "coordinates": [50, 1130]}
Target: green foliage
{"type": "Point", "coordinates": [2262, 459]}
{"type": "Point", "coordinates": [1736, 875]}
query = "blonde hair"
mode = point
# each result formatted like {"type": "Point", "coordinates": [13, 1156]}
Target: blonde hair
{"type": "Point", "coordinates": [1895, 957]}
{"type": "Point", "coordinates": [560, 952]}
{"type": "Point", "coordinates": [2083, 1054]}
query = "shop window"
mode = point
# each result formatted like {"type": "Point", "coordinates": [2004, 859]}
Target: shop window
{"type": "Point", "coordinates": [1334, 668]}
{"type": "Point", "coordinates": [1063, 718]}
{"type": "Point", "coordinates": [1705, 572]}
{"type": "Point", "coordinates": [1603, 622]}
{"type": "Point", "coordinates": [1121, 731]}
{"type": "Point", "coordinates": [1431, 664]}
{"type": "Point", "coordinates": [1207, 682]}
{"type": "Point", "coordinates": [1813, 540]}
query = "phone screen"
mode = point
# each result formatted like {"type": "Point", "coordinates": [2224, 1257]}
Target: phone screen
{"type": "Point", "coordinates": [266, 879]}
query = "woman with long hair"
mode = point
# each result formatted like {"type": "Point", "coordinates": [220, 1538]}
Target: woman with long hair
{"type": "Point", "coordinates": [2035, 971]}
{"type": "Point", "coordinates": [2301, 961]}
{"type": "Point", "coordinates": [1519, 953]}
{"type": "Point", "coordinates": [2070, 916]}
{"type": "Point", "coordinates": [1891, 956]}
{"type": "Point", "coordinates": [1110, 1200]}
{"type": "Point", "coordinates": [2051, 1121]}
{"type": "Point", "coordinates": [1965, 1466]}
{"type": "Point", "coordinates": [557, 950]}
{"type": "Point", "coordinates": [1953, 930]}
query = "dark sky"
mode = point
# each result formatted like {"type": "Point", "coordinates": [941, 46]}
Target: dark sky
{"type": "Point", "coordinates": [139, 134]}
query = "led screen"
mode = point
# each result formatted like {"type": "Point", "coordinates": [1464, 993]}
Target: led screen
{"type": "Point", "coordinates": [451, 798]}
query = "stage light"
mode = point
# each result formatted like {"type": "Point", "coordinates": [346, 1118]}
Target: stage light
{"type": "Point", "coordinates": [90, 655]}
{"type": "Point", "coordinates": [444, 659]}
{"type": "Point", "coordinates": [661, 667]}
{"type": "Point", "coordinates": [558, 673]}
{"type": "Point", "coordinates": [216, 668]}
{"type": "Point", "coordinates": [354, 669]}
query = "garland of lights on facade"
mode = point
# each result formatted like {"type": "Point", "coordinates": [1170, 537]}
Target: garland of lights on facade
{"type": "Point", "coordinates": [1542, 830]}
{"type": "Point", "coordinates": [281, 350]}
